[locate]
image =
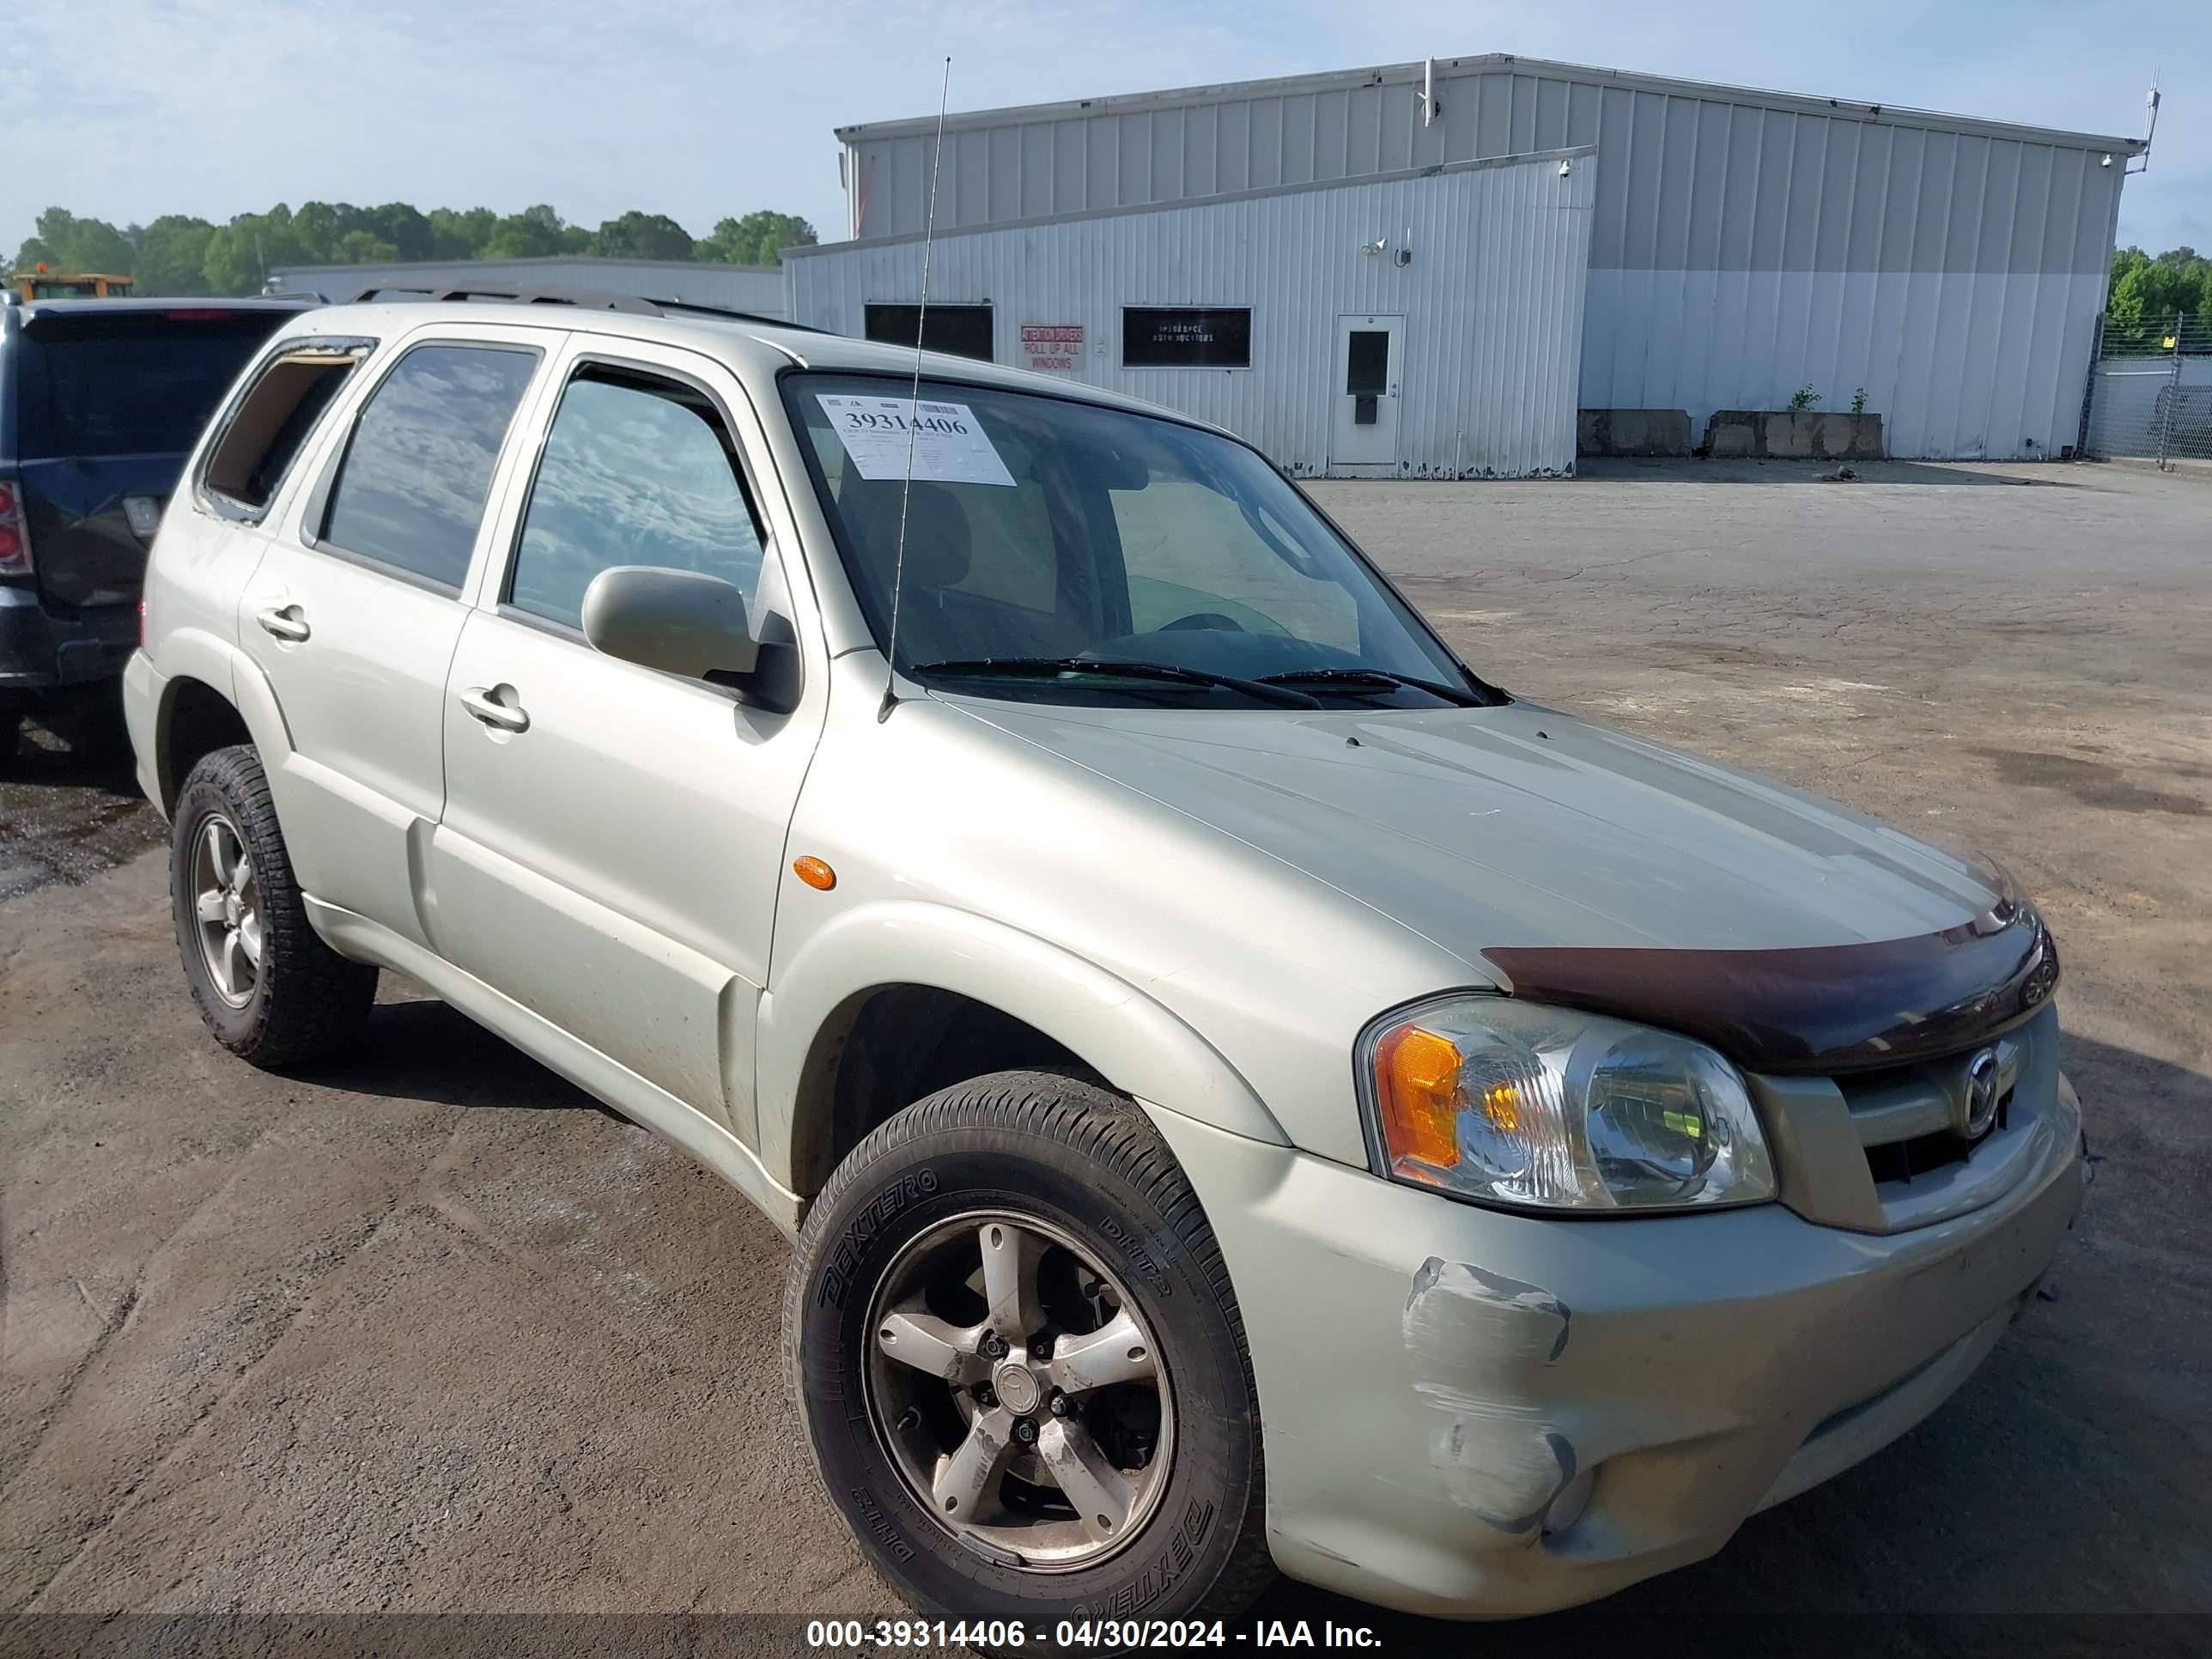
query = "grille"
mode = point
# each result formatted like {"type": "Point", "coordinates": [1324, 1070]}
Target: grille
{"type": "Point", "coordinates": [1910, 1118]}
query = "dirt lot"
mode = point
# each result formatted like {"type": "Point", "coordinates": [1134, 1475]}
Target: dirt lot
{"type": "Point", "coordinates": [430, 1331]}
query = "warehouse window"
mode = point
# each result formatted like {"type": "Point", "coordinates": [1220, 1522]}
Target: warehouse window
{"type": "Point", "coordinates": [1155, 337]}
{"type": "Point", "coordinates": [962, 330]}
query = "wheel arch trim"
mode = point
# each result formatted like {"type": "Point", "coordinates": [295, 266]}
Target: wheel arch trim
{"type": "Point", "coordinates": [195, 654]}
{"type": "Point", "coordinates": [1140, 1047]}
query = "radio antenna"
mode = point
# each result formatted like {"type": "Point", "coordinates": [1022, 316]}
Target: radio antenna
{"type": "Point", "coordinates": [913, 408]}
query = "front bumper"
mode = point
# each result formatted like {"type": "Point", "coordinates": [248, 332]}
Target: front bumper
{"type": "Point", "coordinates": [40, 649]}
{"type": "Point", "coordinates": [1440, 1384]}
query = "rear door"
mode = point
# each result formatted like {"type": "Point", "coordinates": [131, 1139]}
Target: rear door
{"type": "Point", "coordinates": [109, 403]}
{"type": "Point", "coordinates": [354, 610]}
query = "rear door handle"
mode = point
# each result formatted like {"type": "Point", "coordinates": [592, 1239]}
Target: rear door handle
{"type": "Point", "coordinates": [480, 702]}
{"type": "Point", "coordinates": [285, 621]}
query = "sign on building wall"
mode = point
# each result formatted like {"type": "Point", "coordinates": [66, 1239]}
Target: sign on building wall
{"type": "Point", "coordinates": [1053, 346]}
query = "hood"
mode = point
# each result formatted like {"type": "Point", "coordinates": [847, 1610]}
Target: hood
{"type": "Point", "coordinates": [1519, 825]}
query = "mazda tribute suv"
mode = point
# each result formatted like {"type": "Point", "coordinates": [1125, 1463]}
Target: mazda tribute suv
{"type": "Point", "coordinates": [1247, 1093]}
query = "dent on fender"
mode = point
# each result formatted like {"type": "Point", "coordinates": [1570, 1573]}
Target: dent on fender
{"type": "Point", "coordinates": [1469, 1333]}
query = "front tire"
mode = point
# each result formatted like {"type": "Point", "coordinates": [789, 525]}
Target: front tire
{"type": "Point", "coordinates": [1015, 1348]}
{"type": "Point", "coordinates": [268, 987]}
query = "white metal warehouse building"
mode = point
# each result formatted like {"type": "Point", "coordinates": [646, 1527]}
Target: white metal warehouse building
{"type": "Point", "coordinates": [1494, 254]}
{"type": "Point", "coordinates": [1734, 246]}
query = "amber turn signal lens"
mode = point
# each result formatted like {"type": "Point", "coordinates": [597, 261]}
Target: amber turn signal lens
{"type": "Point", "coordinates": [815, 873]}
{"type": "Point", "coordinates": [1417, 1087]}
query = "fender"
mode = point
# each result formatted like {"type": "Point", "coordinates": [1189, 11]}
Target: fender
{"type": "Point", "coordinates": [196, 654]}
{"type": "Point", "coordinates": [1110, 1024]}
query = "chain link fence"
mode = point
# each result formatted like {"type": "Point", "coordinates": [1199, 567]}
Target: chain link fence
{"type": "Point", "coordinates": [2149, 395]}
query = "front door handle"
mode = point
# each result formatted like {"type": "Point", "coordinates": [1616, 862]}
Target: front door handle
{"type": "Point", "coordinates": [480, 702]}
{"type": "Point", "coordinates": [285, 621]}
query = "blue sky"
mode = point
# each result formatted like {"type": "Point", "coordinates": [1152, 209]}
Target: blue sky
{"type": "Point", "coordinates": [700, 108]}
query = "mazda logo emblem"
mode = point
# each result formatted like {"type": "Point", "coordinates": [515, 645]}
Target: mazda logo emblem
{"type": "Point", "coordinates": [1981, 1094]}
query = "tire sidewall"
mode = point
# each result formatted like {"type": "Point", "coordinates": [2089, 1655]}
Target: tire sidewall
{"type": "Point", "coordinates": [1193, 1531]}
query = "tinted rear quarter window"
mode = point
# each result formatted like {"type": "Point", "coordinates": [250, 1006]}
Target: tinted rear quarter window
{"type": "Point", "coordinates": [411, 492]}
{"type": "Point", "coordinates": [128, 382]}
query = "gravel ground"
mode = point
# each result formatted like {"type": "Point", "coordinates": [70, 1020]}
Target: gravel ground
{"type": "Point", "coordinates": [430, 1331]}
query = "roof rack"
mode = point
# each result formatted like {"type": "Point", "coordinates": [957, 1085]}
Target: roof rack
{"type": "Point", "coordinates": [591, 299]}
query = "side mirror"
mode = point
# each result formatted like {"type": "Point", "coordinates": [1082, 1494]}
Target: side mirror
{"type": "Point", "coordinates": [681, 621]}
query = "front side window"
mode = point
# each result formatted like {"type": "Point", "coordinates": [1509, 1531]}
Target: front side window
{"type": "Point", "coordinates": [411, 490]}
{"type": "Point", "coordinates": [637, 471]}
{"type": "Point", "coordinates": [1057, 550]}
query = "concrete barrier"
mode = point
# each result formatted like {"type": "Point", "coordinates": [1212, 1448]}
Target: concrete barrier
{"type": "Point", "coordinates": [1633, 432]}
{"type": "Point", "coordinates": [1803, 434]}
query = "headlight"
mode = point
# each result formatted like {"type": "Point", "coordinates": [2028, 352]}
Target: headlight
{"type": "Point", "coordinates": [1518, 1103]}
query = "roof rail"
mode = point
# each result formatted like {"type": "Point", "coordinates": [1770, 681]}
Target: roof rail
{"type": "Point", "coordinates": [593, 299]}
{"type": "Point", "coordinates": [589, 298]}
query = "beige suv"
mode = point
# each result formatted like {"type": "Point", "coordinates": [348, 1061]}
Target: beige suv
{"type": "Point", "coordinates": [1247, 1092]}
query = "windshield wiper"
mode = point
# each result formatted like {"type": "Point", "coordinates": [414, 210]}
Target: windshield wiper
{"type": "Point", "coordinates": [985, 667]}
{"type": "Point", "coordinates": [1374, 677]}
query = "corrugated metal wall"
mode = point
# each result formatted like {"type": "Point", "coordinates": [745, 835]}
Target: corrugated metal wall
{"type": "Point", "coordinates": [757, 288]}
{"type": "Point", "coordinates": [1743, 245]}
{"type": "Point", "coordinates": [1492, 303]}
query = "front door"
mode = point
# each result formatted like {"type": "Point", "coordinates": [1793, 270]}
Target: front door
{"type": "Point", "coordinates": [1369, 353]}
{"type": "Point", "coordinates": [613, 836]}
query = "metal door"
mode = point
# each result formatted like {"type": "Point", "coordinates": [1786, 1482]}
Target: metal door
{"type": "Point", "coordinates": [1370, 354]}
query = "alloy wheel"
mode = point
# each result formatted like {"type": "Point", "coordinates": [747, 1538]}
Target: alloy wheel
{"type": "Point", "coordinates": [227, 903]}
{"type": "Point", "coordinates": [1019, 1391]}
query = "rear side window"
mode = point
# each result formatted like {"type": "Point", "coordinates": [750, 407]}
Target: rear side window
{"type": "Point", "coordinates": [266, 431]}
{"type": "Point", "coordinates": [637, 471]}
{"type": "Point", "coordinates": [100, 383]}
{"type": "Point", "coordinates": [411, 489]}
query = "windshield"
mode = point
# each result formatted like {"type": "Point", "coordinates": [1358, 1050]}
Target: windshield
{"type": "Point", "coordinates": [1049, 541]}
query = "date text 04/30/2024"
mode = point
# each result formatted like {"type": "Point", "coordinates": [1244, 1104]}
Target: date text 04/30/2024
{"type": "Point", "coordinates": [1082, 1635]}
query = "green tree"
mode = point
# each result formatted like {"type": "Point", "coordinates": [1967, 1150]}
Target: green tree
{"type": "Point", "coordinates": [172, 255]}
{"type": "Point", "coordinates": [758, 239]}
{"type": "Point", "coordinates": [461, 232]}
{"type": "Point", "coordinates": [180, 254]}
{"type": "Point", "coordinates": [67, 243]}
{"type": "Point", "coordinates": [535, 232]}
{"type": "Point", "coordinates": [2147, 293]}
{"type": "Point", "coordinates": [637, 235]}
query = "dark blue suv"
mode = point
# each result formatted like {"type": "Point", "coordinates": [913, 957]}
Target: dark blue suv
{"type": "Point", "coordinates": [100, 402]}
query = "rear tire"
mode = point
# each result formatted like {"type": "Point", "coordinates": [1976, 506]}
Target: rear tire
{"type": "Point", "coordinates": [1082, 1172]}
{"type": "Point", "coordinates": [269, 988]}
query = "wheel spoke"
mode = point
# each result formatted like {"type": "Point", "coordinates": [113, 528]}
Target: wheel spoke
{"type": "Point", "coordinates": [967, 1483]}
{"type": "Point", "coordinates": [1010, 1279]}
{"type": "Point", "coordinates": [249, 936]}
{"type": "Point", "coordinates": [936, 1346]}
{"type": "Point", "coordinates": [222, 852]}
{"type": "Point", "coordinates": [241, 872]}
{"type": "Point", "coordinates": [209, 905]}
{"type": "Point", "coordinates": [1099, 1491]}
{"type": "Point", "coordinates": [235, 965]}
{"type": "Point", "coordinates": [1115, 1353]}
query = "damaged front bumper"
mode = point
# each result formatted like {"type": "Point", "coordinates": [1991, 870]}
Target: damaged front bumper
{"type": "Point", "coordinates": [1472, 1413]}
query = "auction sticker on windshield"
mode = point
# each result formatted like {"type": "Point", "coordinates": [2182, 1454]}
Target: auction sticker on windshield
{"type": "Point", "coordinates": [948, 443]}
